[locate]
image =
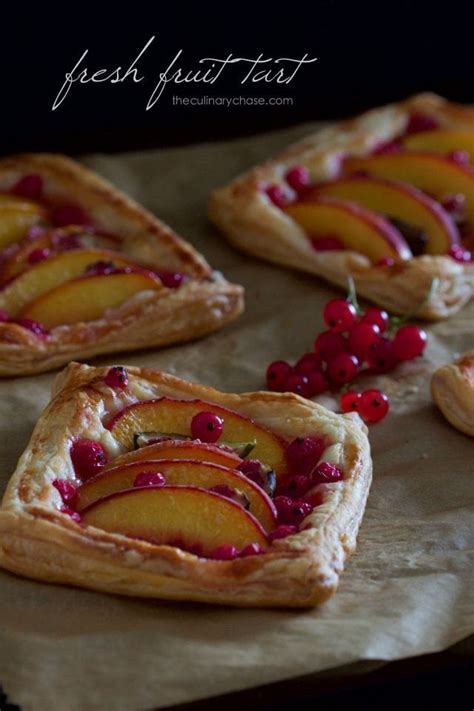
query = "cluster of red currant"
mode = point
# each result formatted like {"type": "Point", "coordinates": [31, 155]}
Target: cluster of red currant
{"type": "Point", "coordinates": [356, 341]}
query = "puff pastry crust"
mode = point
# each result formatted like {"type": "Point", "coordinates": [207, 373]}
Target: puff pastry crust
{"type": "Point", "coordinates": [252, 223]}
{"type": "Point", "coordinates": [38, 541]}
{"type": "Point", "coordinates": [452, 389]}
{"type": "Point", "coordinates": [203, 304]}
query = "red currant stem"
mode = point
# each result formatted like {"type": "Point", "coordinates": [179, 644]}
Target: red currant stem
{"type": "Point", "coordinates": [352, 295]}
{"type": "Point", "coordinates": [397, 321]}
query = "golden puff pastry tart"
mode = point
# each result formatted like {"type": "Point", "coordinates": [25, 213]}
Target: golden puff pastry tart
{"type": "Point", "coordinates": [85, 270]}
{"type": "Point", "coordinates": [387, 198]}
{"type": "Point", "coordinates": [138, 483]}
{"type": "Point", "coordinates": [452, 389]}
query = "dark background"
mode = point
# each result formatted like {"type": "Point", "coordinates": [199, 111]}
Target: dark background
{"type": "Point", "coordinates": [368, 53]}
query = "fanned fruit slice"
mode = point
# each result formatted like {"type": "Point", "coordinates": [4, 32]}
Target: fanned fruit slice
{"type": "Point", "coordinates": [50, 273]}
{"type": "Point", "coordinates": [169, 415]}
{"type": "Point", "coordinates": [183, 473]}
{"type": "Point", "coordinates": [441, 141]}
{"type": "Point", "coordinates": [358, 229]}
{"type": "Point", "coordinates": [16, 217]}
{"type": "Point", "coordinates": [434, 174]}
{"type": "Point", "coordinates": [397, 200]}
{"type": "Point", "coordinates": [87, 298]}
{"type": "Point", "coordinates": [196, 518]}
{"type": "Point", "coordinates": [175, 449]}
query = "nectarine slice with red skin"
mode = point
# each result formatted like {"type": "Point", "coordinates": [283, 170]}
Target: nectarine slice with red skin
{"type": "Point", "coordinates": [168, 514]}
{"type": "Point", "coordinates": [359, 229]}
{"type": "Point", "coordinates": [88, 298]}
{"type": "Point", "coordinates": [398, 200]}
{"type": "Point", "coordinates": [179, 472]}
{"type": "Point", "coordinates": [50, 273]}
{"type": "Point", "coordinates": [177, 449]}
{"type": "Point", "coordinates": [170, 415]}
{"type": "Point", "coordinates": [434, 174]}
{"type": "Point", "coordinates": [441, 140]}
{"type": "Point", "coordinates": [16, 217]}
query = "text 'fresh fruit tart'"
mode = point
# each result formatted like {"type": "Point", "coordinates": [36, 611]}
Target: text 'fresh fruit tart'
{"type": "Point", "coordinates": [85, 270]}
{"type": "Point", "coordinates": [387, 197]}
{"type": "Point", "coordinates": [139, 483]}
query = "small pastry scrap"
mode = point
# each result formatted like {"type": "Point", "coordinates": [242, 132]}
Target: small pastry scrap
{"type": "Point", "coordinates": [387, 198]}
{"type": "Point", "coordinates": [452, 389]}
{"type": "Point", "coordinates": [85, 270]}
{"type": "Point", "coordinates": [138, 483]}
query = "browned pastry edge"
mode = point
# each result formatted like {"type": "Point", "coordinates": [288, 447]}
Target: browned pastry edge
{"type": "Point", "coordinates": [203, 304]}
{"type": "Point", "coordinates": [452, 389]}
{"type": "Point", "coordinates": [38, 541]}
{"type": "Point", "coordinates": [252, 223]}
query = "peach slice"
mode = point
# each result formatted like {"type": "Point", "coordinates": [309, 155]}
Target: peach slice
{"type": "Point", "coordinates": [87, 298]}
{"type": "Point", "coordinates": [395, 199]}
{"type": "Point", "coordinates": [175, 449]}
{"type": "Point", "coordinates": [169, 415]}
{"type": "Point", "coordinates": [356, 227]}
{"type": "Point", "coordinates": [18, 262]}
{"type": "Point", "coordinates": [441, 141]}
{"type": "Point", "coordinates": [179, 472]}
{"type": "Point", "coordinates": [434, 174]}
{"type": "Point", "coordinates": [16, 217]}
{"type": "Point", "coordinates": [185, 516]}
{"type": "Point", "coordinates": [50, 273]}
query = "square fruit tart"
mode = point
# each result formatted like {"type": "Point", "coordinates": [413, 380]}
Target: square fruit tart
{"type": "Point", "coordinates": [387, 198]}
{"type": "Point", "coordinates": [85, 270]}
{"type": "Point", "coordinates": [139, 483]}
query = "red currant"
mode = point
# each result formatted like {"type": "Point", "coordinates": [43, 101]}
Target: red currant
{"type": "Point", "coordinates": [381, 356]}
{"type": "Point", "coordinates": [32, 326]}
{"type": "Point", "coordinates": [385, 262]}
{"type": "Point", "coordinates": [343, 368]}
{"type": "Point", "coordinates": [409, 342]}
{"type": "Point", "coordinates": [298, 384]}
{"type": "Point", "coordinates": [373, 405]}
{"type": "Point", "coordinates": [298, 178]}
{"type": "Point", "coordinates": [420, 122]}
{"type": "Point", "coordinates": [277, 375]}
{"type": "Point", "coordinates": [455, 204]}
{"type": "Point", "coordinates": [460, 253]}
{"type": "Point", "coordinates": [251, 549]}
{"type": "Point", "coordinates": [4, 316]}
{"type": "Point", "coordinates": [339, 315]}
{"type": "Point", "coordinates": [69, 215]}
{"type": "Point", "coordinates": [350, 401]}
{"type": "Point", "coordinates": [38, 255]}
{"type": "Point", "coordinates": [459, 157]}
{"type": "Point", "coordinates": [308, 363]}
{"type": "Point", "coordinates": [207, 427]}
{"type": "Point", "coordinates": [30, 186]}
{"type": "Point", "coordinates": [303, 453]}
{"type": "Point", "coordinates": [326, 244]}
{"type": "Point", "coordinates": [282, 532]}
{"type": "Point", "coordinates": [361, 337]}
{"type": "Point", "coordinates": [116, 377]}
{"type": "Point", "coordinates": [224, 552]}
{"type": "Point", "coordinates": [70, 512]}
{"type": "Point", "coordinates": [318, 383]}
{"type": "Point", "coordinates": [329, 344]}
{"type": "Point", "coordinates": [88, 458]}
{"type": "Point", "coordinates": [149, 479]}
{"type": "Point", "coordinates": [172, 280]}
{"type": "Point", "coordinates": [278, 195]}
{"type": "Point", "coordinates": [386, 148]}
{"type": "Point", "coordinates": [298, 486]}
{"type": "Point", "coordinates": [326, 473]}
{"type": "Point", "coordinates": [67, 490]}
{"type": "Point", "coordinates": [379, 317]}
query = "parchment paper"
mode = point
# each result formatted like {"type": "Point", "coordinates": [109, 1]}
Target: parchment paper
{"type": "Point", "coordinates": [408, 590]}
